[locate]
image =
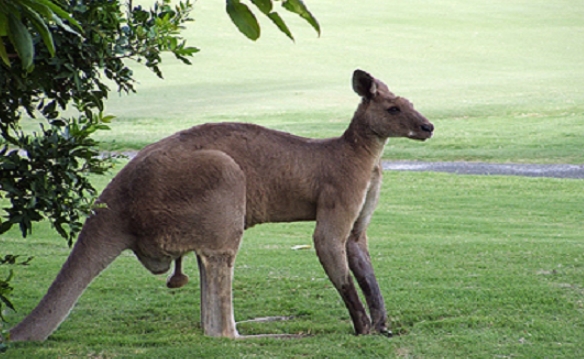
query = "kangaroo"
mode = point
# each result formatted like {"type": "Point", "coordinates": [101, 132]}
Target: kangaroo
{"type": "Point", "coordinates": [199, 189]}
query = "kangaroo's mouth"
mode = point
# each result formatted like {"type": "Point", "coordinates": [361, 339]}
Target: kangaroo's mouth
{"type": "Point", "coordinates": [420, 136]}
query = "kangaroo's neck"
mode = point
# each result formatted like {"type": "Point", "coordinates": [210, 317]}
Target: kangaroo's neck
{"type": "Point", "coordinates": [360, 135]}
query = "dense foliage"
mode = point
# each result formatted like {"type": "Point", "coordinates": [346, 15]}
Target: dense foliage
{"type": "Point", "coordinates": [44, 174]}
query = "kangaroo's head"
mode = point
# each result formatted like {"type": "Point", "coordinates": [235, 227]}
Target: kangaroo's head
{"type": "Point", "coordinates": [388, 115]}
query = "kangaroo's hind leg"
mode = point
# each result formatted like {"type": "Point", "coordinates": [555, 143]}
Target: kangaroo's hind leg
{"type": "Point", "coordinates": [220, 224]}
{"type": "Point", "coordinates": [217, 317]}
{"type": "Point", "coordinates": [201, 199]}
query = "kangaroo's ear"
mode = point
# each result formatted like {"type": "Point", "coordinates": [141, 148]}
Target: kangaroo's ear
{"type": "Point", "coordinates": [364, 84]}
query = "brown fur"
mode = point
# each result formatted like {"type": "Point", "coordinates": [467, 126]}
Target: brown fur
{"type": "Point", "coordinates": [199, 189]}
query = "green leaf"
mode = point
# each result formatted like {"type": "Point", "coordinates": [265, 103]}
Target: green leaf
{"type": "Point", "coordinates": [10, 273]}
{"type": "Point", "coordinates": [7, 302]}
{"type": "Point", "coordinates": [64, 26]}
{"type": "Point", "coordinates": [42, 28]}
{"type": "Point", "coordinates": [5, 226]}
{"type": "Point", "coordinates": [52, 12]}
{"type": "Point", "coordinates": [3, 32]}
{"type": "Point", "coordinates": [298, 7]}
{"type": "Point", "coordinates": [60, 12]}
{"type": "Point", "coordinates": [107, 119]}
{"type": "Point", "coordinates": [189, 51]}
{"type": "Point", "coordinates": [276, 19]}
{"type": "Point", "coordinates": [265, 6]}
{"type": "Point", "coordinates": [43, 10]}
{"type": "Point", "coordinates": [3, 53]}
{"type": "Point", "coordinates": [3, 24]}
{"type": "Point", "coordinates": [244, 19]}
{"type": "Point", "coordinates": [22, 41]}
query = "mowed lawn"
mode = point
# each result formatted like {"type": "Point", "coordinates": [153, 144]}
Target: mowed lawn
{"type": "Point", "coordinates": [502, 80]}
{"type": "Point", "coordinates": [470, 266]}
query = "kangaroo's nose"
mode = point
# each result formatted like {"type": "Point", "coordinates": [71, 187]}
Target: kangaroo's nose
{"type": "Point", "coordinates": [428, 127]}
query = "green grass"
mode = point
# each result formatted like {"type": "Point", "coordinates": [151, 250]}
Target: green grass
{"type": "Point", "coordinates": [504, 78]}
{"type": "Point", "coordinates": [469, 266]}
{"type": "Point", "coordinates": [503, 81]}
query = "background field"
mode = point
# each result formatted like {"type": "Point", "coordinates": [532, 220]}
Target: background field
{"type": "Point", "coordinates": [478, 267]}
{"type": "Point", "coordinates": [502, 80]}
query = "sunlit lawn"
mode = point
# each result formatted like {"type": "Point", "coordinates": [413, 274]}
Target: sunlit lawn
{"type": "Point", "coordinates": [501, 80]}
{"type": "Point", "coordinates": [469, 267]}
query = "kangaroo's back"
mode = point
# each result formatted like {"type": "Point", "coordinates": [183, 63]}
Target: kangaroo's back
{"type": "Point", "coordinates": [283, 172]}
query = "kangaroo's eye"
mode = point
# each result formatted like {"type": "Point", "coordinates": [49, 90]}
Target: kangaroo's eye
{"type": "Point", "coordinates": [394, 110]}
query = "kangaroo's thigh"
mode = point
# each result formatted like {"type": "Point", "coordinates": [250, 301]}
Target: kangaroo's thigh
{"type": "Point", "coordinates": [196, 202]}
